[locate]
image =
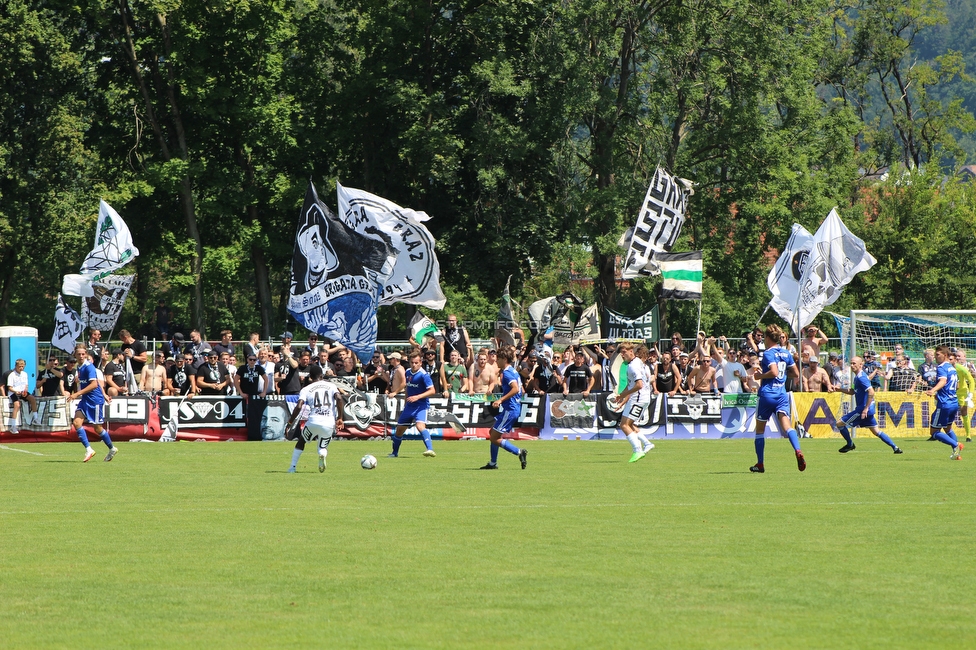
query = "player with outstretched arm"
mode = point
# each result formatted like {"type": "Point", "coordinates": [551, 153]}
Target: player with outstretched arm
{"type": "Point", "coordinates": [509, 405]}
{"type": "Point", "coordinates": [862, 415]}
{"type": "Point", "coordinates": [420, 388]}
{"type": "Point", "coordinates": [774, 401]}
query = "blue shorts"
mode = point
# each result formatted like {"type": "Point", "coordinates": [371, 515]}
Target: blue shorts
{"type": "Point", "coordinates": [770, 405]}
{"type": "Point", "coordinates": [944, 416]}
{"type": "Point", "coordinates": [413, 412]}
{"type": "Point", "coordinates": [854, 419]}
{"type": "Point", "coordinates": [505, 421]}
{"type": "Point", "coordinates": [94, 413]}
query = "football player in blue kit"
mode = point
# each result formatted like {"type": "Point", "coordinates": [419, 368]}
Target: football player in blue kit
{"type": "Point", "coordinates": [509, 405]}
{"type": "Point", "coordinates": [774, 401]}
{"type": "Point", "coordinates": [91, 406]}
{"type": "Point", "coordinates": [420, 388]}
{"type": "Point", "coordinates": [946, 402]}
{"type": "Point", "coordinates": [862, 415]}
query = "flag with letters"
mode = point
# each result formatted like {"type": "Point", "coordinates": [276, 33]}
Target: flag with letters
{"type": "Point", "coordinates": [416, 277]}
{"type": "Point", "coordinates": [101, 310]}
{"type": "Point", "coordinates": [659, 223]}
{"type": "Point", "coordinates": [837, 255]}
{"type": "Point", "coordinates": [68, 326]}
{"type": "Point", "coordinates": [336, 277]}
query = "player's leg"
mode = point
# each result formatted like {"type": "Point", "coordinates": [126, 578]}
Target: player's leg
{"type": "Point", "coordinates": [786, 425]}
{"type": "Point", "coordinates": [763, 411]}
{"type": "Point", "coordinates": [325, 437]}
{"type": "Point", "coordinates": [848, 420]}
{"type": "Point", "coordinates": [420, 423]}
{"type": "Point", "coordinates": [398, 436]}
{"type": "Point", "coordinates": [99, 420]}
{"type": "Point", "coordinates": [297, 453]}
{"type": "Point", "coordinates": [884, 437]}
{"type": "Point", "coordinates": [964, 414]}
{"type": "Point", "coordinates": [79, 424]}
{"type": "Point", "coordinates": [631, 413]}
{"type": "Point", "coordinates": [504, 423]}
{"type": "Point", "coordinates": [942, 420]}
{"type": "Point", "coordinates": [646, 445]}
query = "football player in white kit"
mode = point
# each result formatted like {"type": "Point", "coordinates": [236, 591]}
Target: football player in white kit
{"type": "Point", "coordinates": [325, 416]}
{"type": "Point", "coordinates": [637, 396]}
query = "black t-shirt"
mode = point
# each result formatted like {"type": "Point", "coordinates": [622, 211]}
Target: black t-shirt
{"type": "Point", "coordinates": [434, 370]}
{"type": "Point", "coordinates": [117, 373]}
{"type": "Point", "coordinates": [578, 377]}
{"type": "Point", "coordinates": [221, 348]}
{"type": "Point", "coordinates": [546, 379]}
{"type": "Point", "coordinates": [251, 379]}
{"type": "Point", "coordinates": [211, 375]}
{"type": "Point", "coordinates": [455, 339]}
{"type": "Point", "coordinates": [381, 383]}
{"type": "Point", "coordinates": [292, 383]}
{"type": "Point", "coordinates": [137, 348]}
{"type": "Point", "coordinates": [95, 351]}
{"type": "Point", "coordinates": [180, 376]}
{"type": "Point", "coordinates": [70, 380]}
{"type": "Point", "coordinates": [51, 385]}
{"type": "Point", "coordinates": [303, 374]}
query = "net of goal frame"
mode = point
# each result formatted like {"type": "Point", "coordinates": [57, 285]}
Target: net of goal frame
{"type": "Point", "coordinates": [879, 331]}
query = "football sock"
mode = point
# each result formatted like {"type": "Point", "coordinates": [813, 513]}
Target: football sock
{"type": "Point", "coordinates": [943, 438]}
{"type": "Point", "coordinates": [760, 447]}
{"type": "Point", "coordinates": [104, 436]}
{"type": "Point", "coordinates": [952, 434]}
{"type": "Point", "coordinates": [794, 440]}
{"type": "Point", "coordinates": [847, 435]}
{"type": "Point", "coordinates": [643, 439]}
{"type": "Point", "coordinates": [966, 425]}
{"type": "Point", "coordinates": [634, 442]}
{"type": "Point", "coordinates": [396, 443]}
{"type": "Point", "coordinates": [885, 439]}
{"type": "Point", "coordinates": [83, 436]}
{"type": "Point", "coordinates": [425, 434]}
{"type": "Point", "coordinates": [494, 452]}
{"type": "Point", "coordinates": [295, 455]}
{"type": "Point", "coordinates": [510, 448]}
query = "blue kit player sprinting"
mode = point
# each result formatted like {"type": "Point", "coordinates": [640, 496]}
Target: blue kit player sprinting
{"type": "Point", "coordinates": [510, 405]}
{"type": "Point", "coordinates": [91, 407]}
{"type": "Point", "coordinates": [420, 387]}
{"type": "Point", "coordinates": [862, 414]}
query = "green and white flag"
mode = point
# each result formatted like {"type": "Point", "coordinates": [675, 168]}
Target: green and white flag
{"type": "Point", "coordinates": [113, 250]}
{"type": "Point", "coordinates": [421, 326]}
{"type": "Point", "coordinates": [682, 273]}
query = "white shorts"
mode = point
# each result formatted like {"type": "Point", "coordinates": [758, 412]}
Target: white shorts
{"type": "Point", "coordinates": [633, 409]}
{"type": "Point", "coordinates": [314, 431]}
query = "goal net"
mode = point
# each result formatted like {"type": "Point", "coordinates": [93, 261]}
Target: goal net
{"type": "Point", "coordinates": [905, 411]}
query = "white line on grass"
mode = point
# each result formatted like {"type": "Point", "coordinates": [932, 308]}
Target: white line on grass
{"type": "Point", "coordinates": [23, 451]}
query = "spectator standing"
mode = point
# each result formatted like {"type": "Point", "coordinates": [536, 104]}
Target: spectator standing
{"type": "Point", "coordinates": [377, 375]}
{"type": "Point", "coordinates": [815, 378]}
{"type": "Point", "coordinates": [253, 346]}
{"type": "Point", "coordinates": [135, 351]}
{"type": "Point", "coordinates": [872, 370]}
{"type": "Point", "coordinates": [433, 368]}
{"type": "Point", "coordinates": [174, 347]}
{"type": "Point", "coordinates": [481, 377]}
{"type": "Point", "coordinates": [115, 374]}
{"type": "Point", "coordinates": [313, 346]}
{"type": "Point", "coordinates": [286, 370]}
{"type": "Point", "coordinates": [179, 377]}
{"type": "Point", "coordinates": [286, 338]}
{"type": "Point", "coordinates": [265, 361]}
{"type": "Point", "coordinates": [228, 362]}
{"type": "Point", "coordinates": [545, 377]}
{"type": "Point", "coordinates": [225, 344]}
{"type": "Point", "coordinates": [250, 378]}
{"type": "Point", "coordinates": [69, 381]}
{"type": "Point", "coordinates": [456, 338]}
{"type": "Point", "coordinates": [153, 376]}
{"type": "Point", "coordinates": [398, 379]}
{"type": "Point", "coordinates": [199, 348]}
{"type": "Point", "coordinates": [578, 377]}
{"type": "Point", "coordinates": [733, 373]}
{"type": "Point", "coordinates": [454, 376]}
{"type": "Point", "coordinates": [812, 341]}
{"type": "Point", "coordinates": [928, 371]}
{"type": "Point", "coordinates": [902, 377]}
{"type": "Point", "coordinates": [94, 346]}
{"type": "Point", "coordinates": [210, 380]}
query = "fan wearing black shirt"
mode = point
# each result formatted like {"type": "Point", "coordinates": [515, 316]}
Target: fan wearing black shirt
{"type": "Point", "coordinates": [249, 383]}
{"type": "Point", "coordinates": [135, 351]}
{"type": "Point", "coordinates": [115, 373]}
{"type": "Point", "coordinates": [579, 377]}
{"type": "Point", "coordinates": [70, 378]}
{"type": "Point", "coordinates": [49, 379]}
{"type": "Point", "coordinates": [179, 379]}
{"type": "Point", "coordinates": [211, 378]}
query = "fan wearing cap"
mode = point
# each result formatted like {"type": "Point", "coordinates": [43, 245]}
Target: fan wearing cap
{"type": "Point", "coordinates": [873, 369]}
{"type": "Point", "coordinates": [210, 377]}
{"type": "Point", "coordinates": [397, 377]}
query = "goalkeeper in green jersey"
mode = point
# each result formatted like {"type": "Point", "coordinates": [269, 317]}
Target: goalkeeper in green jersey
{"type": "Point", "coordinates": [967, 385]}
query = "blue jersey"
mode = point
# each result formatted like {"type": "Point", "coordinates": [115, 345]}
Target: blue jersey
{"type": "Point", "coordinates": [782, 359]}
{"type": "Point", "coordinates": [86, 374]}
{"type": "Point", "coordinates": [513, 403]}
{"type": "Point", "coordinates": [946, 396]}
{"type": "Point", "coordinates": [417, 383]}
{"type": "Point", "coordinates": [861, 385]}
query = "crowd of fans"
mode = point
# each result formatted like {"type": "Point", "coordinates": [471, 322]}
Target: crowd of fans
{"type": "Point", "coordinates": [181, 367]}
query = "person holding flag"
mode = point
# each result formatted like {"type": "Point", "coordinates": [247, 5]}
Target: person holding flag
{"type": "Point", "coordinates": [774, 401]}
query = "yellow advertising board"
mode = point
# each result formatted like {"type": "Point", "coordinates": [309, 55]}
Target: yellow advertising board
{"type": "Point", "coordinates": [899, 414]}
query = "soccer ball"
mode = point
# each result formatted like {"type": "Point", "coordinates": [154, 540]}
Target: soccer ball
{"type": "Point", "coordinates": [368, 462]}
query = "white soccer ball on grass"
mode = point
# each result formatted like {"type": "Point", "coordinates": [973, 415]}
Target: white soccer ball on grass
{"type": "Point", "coordinates": [368, 462]}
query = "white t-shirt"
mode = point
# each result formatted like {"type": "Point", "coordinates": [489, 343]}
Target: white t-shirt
{"type": "Point", "coordinates": [733, 384]}
{"type": "Point", "coordinates": [268, 376]}
{"type": "Point", "coordinates": [636, 370]}
{"type": "Point", "coordinates": [320, 398]}
{"type": "Point", "coordinates": [17, 381]}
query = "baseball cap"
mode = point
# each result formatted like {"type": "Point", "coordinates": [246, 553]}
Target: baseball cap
{"type": "Point", "coordinates": [287, 335]}
{"type": "Point", "coordinates": [177, 337]}
{"type": "Point", "coordinates": [394, 355]}
{"type": "Point", "coordinates": [833, 356]}
{"type": "Point", "coordinates": [683, 354]}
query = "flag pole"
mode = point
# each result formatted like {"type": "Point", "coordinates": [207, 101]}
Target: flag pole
{"type": "Point", "coordinates": [761, 316]}
{"type": "Point", "coordinates": [698, 329]}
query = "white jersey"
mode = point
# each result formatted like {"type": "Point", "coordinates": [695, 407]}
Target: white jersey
{"type": "Point", "coordinates": [637, 370]}
{"type": "Point", "coordinates": [321, 399]}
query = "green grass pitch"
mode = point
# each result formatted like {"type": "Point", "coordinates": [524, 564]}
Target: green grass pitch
{"type": "Point", "coordinates": [213, 545]}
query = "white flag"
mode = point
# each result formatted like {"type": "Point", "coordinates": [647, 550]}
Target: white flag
{"type": "Point", "coordinates": [67, 327]}
{"type": "Point", "coordinates": [77, 285]}
{"type": "Point", "coordinates": [658, 224]}
{"type": "Point", "coordinates": [113, 245]}
{"type": "Point", "coordinates": [101, 311]}
{"type": "Point", "coordinates": [417, 274]}
{"type": "Point", "coordinates": [836, 257]}
{"type": "Point", "coordinates": [784, 278]}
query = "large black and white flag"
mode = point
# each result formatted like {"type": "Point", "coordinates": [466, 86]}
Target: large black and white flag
{"type": "Point", "coordinates": [101, 310]}
{"type": "Point", "coordinates": [336, 277]}
{"type": "Point", "coordinates": [416, 275]}
{"type": "Point", "coordinates": [113, 250]}
{"type": "Point", "coordinates": [658, 224]}
{"type": "Point", "coordinates": [68, 326]}
{"type": "Point", "coordinates": [618, 327]}
{"type": "Point", "coordinates": [784, 277]}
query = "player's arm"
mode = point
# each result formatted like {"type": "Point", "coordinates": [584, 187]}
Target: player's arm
{"type": "Point", "coordinates": [92, 383]}
{"type": "Point", "coordinates": [340, 412]}
{"type": "Point", "coordinates": [294, 414]}
{"type": "Point", "coordinates": [513, 390]}
{"type": "Point", "coordinates": [589, 384]}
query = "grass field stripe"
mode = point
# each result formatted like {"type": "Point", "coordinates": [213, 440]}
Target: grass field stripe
{"type": "Point", "coordinates": [23, 451]}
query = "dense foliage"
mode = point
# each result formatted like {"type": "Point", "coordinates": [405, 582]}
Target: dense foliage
{"type": "Point", "coordinates": [527, 130]}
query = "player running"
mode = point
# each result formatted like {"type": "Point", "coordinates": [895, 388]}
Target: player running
{"type": "Point", "coordinates": [509, 405]}
{"type": "Point", "coordinates": [636, 398]}
{"type": "Point", "coordinates": [91, 407]}
{"type": "Point", "coordinates": [862, 415]}
{"type": "Point", "coordinates": [324, 419]}
{"type": "Point", "coordinates": [773, 398]}
{"type": "Point", "coordinates": [420, 388]}
{"type": "Point", "coordinates": [946, 402]}
{"type": "Point", "coordinates": [966, 387]}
